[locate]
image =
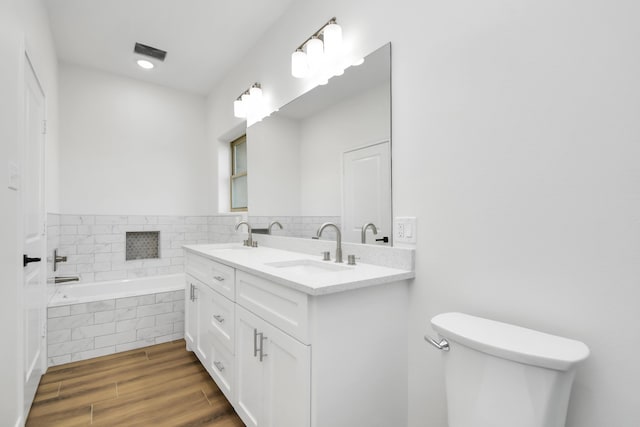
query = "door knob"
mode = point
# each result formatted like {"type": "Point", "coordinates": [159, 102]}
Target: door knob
{"type": "Point", "coordinates": [26, 260]}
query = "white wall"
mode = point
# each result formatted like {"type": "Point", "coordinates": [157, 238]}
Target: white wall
{"type": "Point", "coordinates": [516, 144]}
{"type": "Point", "coordinates": [129, 147]}
{"type": "Point", "coordinates": [273, 162]}
{"type": "Point", "coordinates": [23, 25]}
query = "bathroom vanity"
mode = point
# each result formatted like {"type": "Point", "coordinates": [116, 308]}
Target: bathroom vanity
{"type": "Point", "coordinates": [293, 341]}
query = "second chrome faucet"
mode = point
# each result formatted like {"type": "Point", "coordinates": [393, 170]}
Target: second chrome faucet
{"type": "Point", "coordinates": [338, 238]}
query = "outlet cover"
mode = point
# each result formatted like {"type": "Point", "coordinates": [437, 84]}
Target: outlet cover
{"type": "Point", "coordinates": [405, 229]}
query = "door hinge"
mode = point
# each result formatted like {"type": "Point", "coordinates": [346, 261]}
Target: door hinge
{"type": "Point", "coordinates": [44, 127]}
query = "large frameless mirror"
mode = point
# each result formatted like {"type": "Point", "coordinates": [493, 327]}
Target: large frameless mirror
{"type": "Point", "coordinates": [326, 157]}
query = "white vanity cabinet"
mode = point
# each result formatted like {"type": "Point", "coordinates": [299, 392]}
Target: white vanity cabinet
{"type": "Point", "coordinates": [288, 358]}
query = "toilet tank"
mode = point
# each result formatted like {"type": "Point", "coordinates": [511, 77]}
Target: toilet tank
{"type": "Point", "coordinates": [501, 375]}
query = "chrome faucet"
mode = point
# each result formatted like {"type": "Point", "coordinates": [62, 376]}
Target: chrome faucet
{"type": "Point", "coordinates": [272, 224]}
{"type": "Point", "coordinates": [363, 235]}
{"type": "Point", "coordinates": [338, 238]}
{"type": "Point", "coordinates": [249, 241]}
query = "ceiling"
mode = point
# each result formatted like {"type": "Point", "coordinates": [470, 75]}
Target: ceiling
{"type": "Point", "coordinates": [203, 38]}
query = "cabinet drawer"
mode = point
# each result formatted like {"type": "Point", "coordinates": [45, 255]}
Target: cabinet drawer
{"type": "Point", "coordinates": [217, 276]}
{"type": "Point", "coordinates": [221, 319]}
{"type": "Point", "coordinates": [283, 307]}
{"type": "Point", "coordinates": [221, 368]}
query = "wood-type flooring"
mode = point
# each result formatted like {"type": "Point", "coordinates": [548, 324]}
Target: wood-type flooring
{"type": "Point", "coordinates": [161, 385]}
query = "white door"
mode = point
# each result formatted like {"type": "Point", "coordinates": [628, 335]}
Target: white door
{"type": "Point", "coordinates": [33, 240]}
{"type": "Point", "coordinates": [366, 192]}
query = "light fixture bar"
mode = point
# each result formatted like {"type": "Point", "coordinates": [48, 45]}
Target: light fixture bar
{"type": "Point", "coordinates": [248, 101]}
{"type": "Point", "coordinates": [318, 33]}
{"type": "Point", "coordinates": [321, 55]}
{"type": "Point", "coordinates": [256, 84]}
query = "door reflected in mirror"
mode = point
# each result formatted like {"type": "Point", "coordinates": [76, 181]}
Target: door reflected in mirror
{"type": "Point", "coordinates": [326, 157]}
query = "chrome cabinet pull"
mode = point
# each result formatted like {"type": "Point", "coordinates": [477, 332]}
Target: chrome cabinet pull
{"type": "Point", "coordinates": [219, 318]}
{"type": "Point", "coordinates": [257, 350]}
{"type": "Point", "coordinates": [219, 278]}
{"type": "Point", "coordinates": [191, 291]}
{"type": "Point", "coordinates": [255, 342]}
{"type": "Point", "coordinates": [219, 366]}
{"type": "Point", "coordinates": [195, 292]}
{"type": "Point", "coordinates": [262, 353]}
{"type": "Point", "coordinates": [440, 345]}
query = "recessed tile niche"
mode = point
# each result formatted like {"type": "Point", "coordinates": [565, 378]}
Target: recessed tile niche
{"type": "Point", "coordinates": [142, 245]}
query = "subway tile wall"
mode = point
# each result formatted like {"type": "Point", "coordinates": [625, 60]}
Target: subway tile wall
{"type": "Point", "coordinates": [82, 331]}
{"type": "Point", "coordinates": [95, 244]}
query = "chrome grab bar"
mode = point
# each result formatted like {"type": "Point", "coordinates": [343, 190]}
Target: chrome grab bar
{"type": "Point", "coordinates": [440, 345]}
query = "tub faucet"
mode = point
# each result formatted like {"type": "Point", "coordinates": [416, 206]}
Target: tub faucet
{"type": "Point", "coordinates": [249, 241]}
{"type": "Point", "coordinates": [65, 279]}
{"type": "Point", "coordinates": [363, 235]}
{"type": "Point", "coordinates": [338, 238]}
{"type": "Point", "coordinates": [272, 224]}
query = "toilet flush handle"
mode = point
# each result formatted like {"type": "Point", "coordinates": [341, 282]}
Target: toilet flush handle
{"type": "Point", "coordinates": [442, 345]}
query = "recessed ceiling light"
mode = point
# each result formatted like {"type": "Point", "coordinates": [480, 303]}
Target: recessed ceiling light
{"type": "Point", "coordinates": [143, 63]}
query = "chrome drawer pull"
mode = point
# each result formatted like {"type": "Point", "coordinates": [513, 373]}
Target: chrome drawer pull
{"type": "Point", "coordinates": [441, 345]}
{"type": "Point", "coordinates": [219, 278]}
{"type": "Point", "coordinates": [219, 318]}
{"type": "Point", "coordinates": [219, 366]}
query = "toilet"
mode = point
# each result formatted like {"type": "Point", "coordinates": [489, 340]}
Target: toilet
{"type": "Point", "coordinates": [501, 375]}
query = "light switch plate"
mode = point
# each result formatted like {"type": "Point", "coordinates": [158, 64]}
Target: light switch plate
{"type": "Point", "coordinates": [14, 176]}
{"type": "Point", "coordinates": [404, 229]}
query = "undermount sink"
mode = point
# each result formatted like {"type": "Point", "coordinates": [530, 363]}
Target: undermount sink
{"type": "Point", "coordinates": [308, 266]}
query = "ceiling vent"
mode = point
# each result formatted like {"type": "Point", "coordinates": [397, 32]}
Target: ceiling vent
{"type": "Point", "coordinates": [143, 49]}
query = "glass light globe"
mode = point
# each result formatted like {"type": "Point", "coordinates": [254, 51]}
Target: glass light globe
{"type": "Point", "coordinates": [299, 65]}
{"type": "Point", "coordinates": [332, 35]}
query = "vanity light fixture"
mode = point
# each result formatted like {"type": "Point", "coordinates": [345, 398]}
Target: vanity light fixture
{"type": "Point", "coordinates": [321, 54]}
{"type": "Point", "coordinates": [249, 103]}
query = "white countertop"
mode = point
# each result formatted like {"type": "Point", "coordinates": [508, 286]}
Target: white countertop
{"type": "Point", "coordinates": [255, 260]}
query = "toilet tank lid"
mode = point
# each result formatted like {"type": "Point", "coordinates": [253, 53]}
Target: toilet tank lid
{"type": "Point", "coordinates": [511, 342]}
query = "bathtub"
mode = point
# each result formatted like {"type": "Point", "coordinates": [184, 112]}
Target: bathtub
{"type": "Point", "coordinates": [89, 292]}
{"type": "Point", "coordinates": [95, 319]}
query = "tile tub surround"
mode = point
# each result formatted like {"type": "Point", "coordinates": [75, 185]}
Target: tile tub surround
{"type": "Point", "coordinates": [87, 330]}
{"type": "Point", "coordinates": [95, 244]}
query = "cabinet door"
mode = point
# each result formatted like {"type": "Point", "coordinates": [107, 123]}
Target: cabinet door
{"type": "Point", "coordinates": [287, 378]}
{"type": "Point", "coordinates": [204, 311]}
{"type": "Point", "coordinates": [190, 314]}
{"type": "Point", "coordinates": [249, 370]}
{"type": "Point", "coordinates": [274, 392]}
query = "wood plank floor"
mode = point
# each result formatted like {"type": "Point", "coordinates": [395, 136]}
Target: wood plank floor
{"type": "Point", "coordinates": [161, 385]}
